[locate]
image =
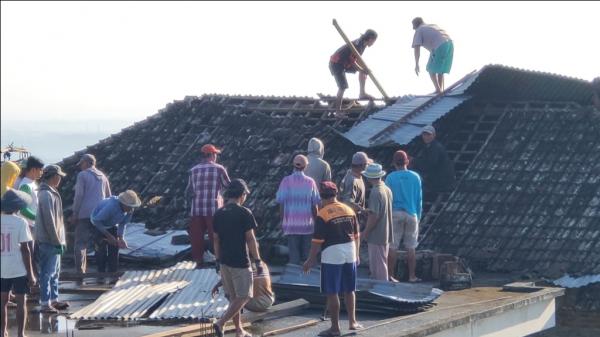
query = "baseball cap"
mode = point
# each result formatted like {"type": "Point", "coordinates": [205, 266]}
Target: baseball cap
{"type": "Point", "coordinates": [360, 158]}
{"type": "Point", "coordinates": [429, 129]}
{"type": "Point", "coordinates": [209, 148]}
{"type": "Point", "coordinates": [236, 188]}
{"type": "Point", "coordinates": [328, 189]}
{"type": "Point", "coordinates": [300, 161]}
{"type": "Point", "coordinates": [51, 170]}
{"type": "Point", "coordinates": [13, 200]}
{"type": "Point", "coordinates": [400, 158]}
{"type": "Point", "coordinates": [89, 158]}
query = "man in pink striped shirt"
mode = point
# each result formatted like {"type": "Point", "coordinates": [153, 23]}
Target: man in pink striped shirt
{"type": "Point", "coordinates": [298, 198]}
{"type": "Point", "coordinates": [207, 180]}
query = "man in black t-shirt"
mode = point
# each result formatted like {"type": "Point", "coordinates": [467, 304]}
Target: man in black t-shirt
{"type": "Point", "coordinates": [234, 241]}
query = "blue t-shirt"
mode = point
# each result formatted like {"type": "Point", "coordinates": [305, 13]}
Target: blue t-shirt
{"type": "Point", "coordinates": [406, 191]}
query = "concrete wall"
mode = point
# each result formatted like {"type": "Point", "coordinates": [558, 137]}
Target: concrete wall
{"type": "Point", "coordinates": [519, 322]}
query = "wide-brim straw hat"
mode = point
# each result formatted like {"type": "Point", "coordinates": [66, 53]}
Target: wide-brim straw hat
{"type": "Point", "coordinates": [130, 198]}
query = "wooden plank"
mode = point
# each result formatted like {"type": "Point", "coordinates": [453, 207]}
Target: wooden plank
{"type": "Point", "coordinates": [291, 328]}
{"type": "Point", "coordinates": [283, 309]}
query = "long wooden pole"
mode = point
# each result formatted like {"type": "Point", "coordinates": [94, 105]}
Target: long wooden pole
{"type": "Point", "coordinates": [360, 59]}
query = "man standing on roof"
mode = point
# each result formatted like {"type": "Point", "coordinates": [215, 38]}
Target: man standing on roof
{"type": "Point", "coordinates": [317, 168]}
{"type": "Point", "coordinates": [207, 180]}
{"type": "Point", "coordinates": [28, 184]}
{"type": "Point", "coordinates": [345, 61]}
{"type": "Point", "coordinates": [440, 47]}
{"type": "Point", "coordinates": [235, 242]}
{"type": "Point", "coordinates": [434, 165]}
{"type": "Point", "coordinates": [407, 207]}
{"type": "Point", "coordinates": [50, 238]}
{"type": "Point", "coordinates": [378, 232]}
{"type": "Point", "coordinates": [298, 199]}
{"type": "Point", "coordinates": [91, 188]}
{"type": "Point", "coordinates": [337, 236]}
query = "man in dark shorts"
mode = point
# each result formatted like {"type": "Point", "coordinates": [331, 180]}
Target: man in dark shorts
{"type": "Point", "coordinates": [345, 61]}
{"type": "Point", "coordinates": [336, 232]}
{"type": "Point", "coordinates": [16, 274]}
{"type": "Point", "coordinates": [234, 241]}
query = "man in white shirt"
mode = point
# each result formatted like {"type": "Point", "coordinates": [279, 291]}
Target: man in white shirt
{"type": "Point", "coordinates": [16, 273]}
{"type": "Point", "coordinates": [440, 47]}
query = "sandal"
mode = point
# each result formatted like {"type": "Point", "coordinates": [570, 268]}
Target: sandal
{"type": "Point", "coordinates": [415, 280]}
{"type": "Point", "coordinates": [61, 305]}
{"type": "Point", "coordinates": [329, 333]}
{"type": "Point", "coordinates": [48, 310]}
{"type": "Point", "coordinates": [218, 330]}
{"type": "Point", "coordinates": [357, 326]}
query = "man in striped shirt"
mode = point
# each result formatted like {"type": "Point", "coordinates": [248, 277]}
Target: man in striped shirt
{"type": "Point", "coordinates": [298, 199]}
{"type": "Point", "coordinates": [207, 180]}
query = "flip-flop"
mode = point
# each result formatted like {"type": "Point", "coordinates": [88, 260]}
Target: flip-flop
{"type": "Point", "coordinates": [357, 326]}
{"type": "Point", "coordinates": [415, 280]}
{"type": "Point", "coordinates": [61, 305]}
{"type": "Point", "coordinates": [48, 310]}
{"type": "Point", "coordinates": [218, 330]}
{"type": "Point", "coordinates": [329, 333]}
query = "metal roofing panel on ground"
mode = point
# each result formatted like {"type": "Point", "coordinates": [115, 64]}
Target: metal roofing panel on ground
{"type": "Point", "coordinates": [184, 290]}
{"type": "Point", "coordinates": [371, 295]}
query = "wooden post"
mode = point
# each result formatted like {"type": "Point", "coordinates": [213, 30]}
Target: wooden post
{"type": "Point", "coordinates": [360, 59]}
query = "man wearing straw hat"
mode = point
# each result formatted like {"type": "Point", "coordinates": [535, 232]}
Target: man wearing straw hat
{"type": "Point", "coordinates": [109, 218]}
{"type": "Point", "coordinates": [378, 232]}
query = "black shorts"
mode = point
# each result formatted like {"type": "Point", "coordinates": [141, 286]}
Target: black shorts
{"type": "Point", "coordinates": [18, 285]}
{"type": "Point", "coordinates": [339, 74]}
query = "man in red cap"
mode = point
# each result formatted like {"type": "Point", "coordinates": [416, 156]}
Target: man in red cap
{"type": "Point", "coordinates": [207, 180]}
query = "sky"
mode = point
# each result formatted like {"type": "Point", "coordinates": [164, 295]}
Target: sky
{"type": "Point", "coordinates": [126, 60]}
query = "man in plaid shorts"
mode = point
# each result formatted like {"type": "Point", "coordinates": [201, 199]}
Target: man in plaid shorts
{"type": "Point", "coordinates": [207, 180]}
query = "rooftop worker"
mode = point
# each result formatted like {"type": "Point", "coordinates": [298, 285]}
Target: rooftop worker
{"type": "Point", "coordinates": [352, 186]}
{"type": "Point", "coordinates": [407, 207]}
{"type": "Point", "coordinates": [298, 199]}
{"type": "Point", "coordinates": [433, 164]}
{"type": "Point", "coordinates": [234, 243]}
{"type": "Point", "coordinates": [50, 238]}
{"type": "Point", "coordinates": [440, 47]}
{"type": "Point", "coordinates": [596, 89]}
{"type": "Point", "coordinates": [262, 293]}
{"type": "Point", "coordinates": [345, 61]}
{"type": "Point", "coordinates": [91, 188]}
{"type": "Point", "coordinates": [337, 237]}
{"type": "Point", "coordinates": [317, 168]}
{"type": "Point", "coordinates": [8, 175]}
{"type": "Point", "coordinates": [16, 275]}
{"type": "Point", "coordinates": [206, 181]}
{"type": "Point", "coordinates": [109, 219]}
{"type": "Point", "coordinates": [378, 232]}
{"type": "Point", "coordinates": [28, 184]}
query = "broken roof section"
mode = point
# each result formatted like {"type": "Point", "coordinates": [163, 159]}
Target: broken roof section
{"type": "Point", "coordinates": [403, 121]}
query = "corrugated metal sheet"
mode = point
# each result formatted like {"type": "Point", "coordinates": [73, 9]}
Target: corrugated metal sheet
{"type": "Point", "coordinates": [184, 289]}
{"type": "Point", "coordinates": [491, 82]}
{"type": "Point", "coordinates": [362, 133]}
{"type": "Point", "coordinates": [371, 296]}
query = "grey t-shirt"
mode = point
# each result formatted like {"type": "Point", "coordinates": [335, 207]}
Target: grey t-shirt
{"type": "Point", "coordinates": [430, 37]}
{"type": "Point", "coordinates": [380, 203]}
{"type": "Point", "coordinates": [318, 169]}
{"type": "Point", "coordinates": [352, 190]}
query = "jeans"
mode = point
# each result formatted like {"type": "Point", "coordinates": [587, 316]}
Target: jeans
{"type": "Point", "coordinates": [49, 270]}
{"type": "Point", "coordinates": [299, 246]}
{"type": "Point", "coordinates": [106, 253]}
{"type": "Point", "coordinates": [84, 234]}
